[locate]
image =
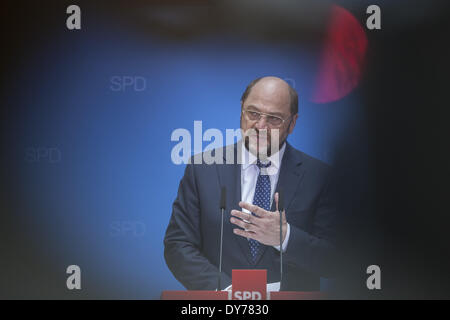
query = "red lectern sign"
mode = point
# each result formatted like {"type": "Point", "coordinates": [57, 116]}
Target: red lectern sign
{"type": "Point", "coordinates": [249, 284]}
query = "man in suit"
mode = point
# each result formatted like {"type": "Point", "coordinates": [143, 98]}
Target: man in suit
{"type": "Point", "coordinates": [251, 240]}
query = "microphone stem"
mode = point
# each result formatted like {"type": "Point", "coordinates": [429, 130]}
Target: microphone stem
{"type": "Point", "coordinates": [281, 249]}
{"type": "Point", "coordinates": [220, 256]}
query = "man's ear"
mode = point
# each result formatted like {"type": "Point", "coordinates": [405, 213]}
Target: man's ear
{"type": "Point", "coordinates": [292, 124]}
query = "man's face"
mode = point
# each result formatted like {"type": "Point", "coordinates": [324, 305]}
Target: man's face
{"type": "Point", "coordinates": [271, 97]}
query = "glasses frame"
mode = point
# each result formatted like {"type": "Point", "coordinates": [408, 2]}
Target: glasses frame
{"type": "Point", "coordinates": [244, 110]}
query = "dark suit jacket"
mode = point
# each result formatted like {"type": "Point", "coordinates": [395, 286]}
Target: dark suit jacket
{"type": "Point", "coordinates": [192, 237]}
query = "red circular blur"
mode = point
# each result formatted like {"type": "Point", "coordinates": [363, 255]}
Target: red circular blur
{"type": "Point", "coordinates": [343, 56]}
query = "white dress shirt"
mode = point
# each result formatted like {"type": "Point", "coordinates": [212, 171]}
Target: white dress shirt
{"type": "Point", "coordinates": [249, 176]}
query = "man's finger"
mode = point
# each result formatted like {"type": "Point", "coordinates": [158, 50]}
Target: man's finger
{"type": "Point", "coordinates": [246, 234]}
{"type": "Point", "coordinates": [244, 216]}
{"type": "Point", "coordinates": [244, 225]}
{"type": "Point", "coordinates": [260, 212]}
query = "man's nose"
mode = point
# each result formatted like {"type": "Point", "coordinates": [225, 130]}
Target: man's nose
{"type": "Point", "coordinates": [261, 123]}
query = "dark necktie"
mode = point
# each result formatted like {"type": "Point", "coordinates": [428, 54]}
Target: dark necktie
{"type": "Point", "coordinates": [260, 199]}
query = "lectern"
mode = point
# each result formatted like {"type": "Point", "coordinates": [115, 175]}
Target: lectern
{"type": "Point", "coordinates": [246, 285]}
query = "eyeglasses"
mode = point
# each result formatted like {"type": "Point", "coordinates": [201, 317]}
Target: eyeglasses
{"type": "Point", "coordinates": [273, 121]}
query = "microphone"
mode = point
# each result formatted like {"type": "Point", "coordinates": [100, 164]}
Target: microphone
{"type": "Point", "coordinates": [280, 210]}
{"type": "Point", "coordinates": [223, 200]}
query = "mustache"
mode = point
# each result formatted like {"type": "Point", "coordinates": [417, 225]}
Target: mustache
{"type": "Point", "coordinates": [257, 132]}
{"type": "Point", "coordinates": [256, 135]}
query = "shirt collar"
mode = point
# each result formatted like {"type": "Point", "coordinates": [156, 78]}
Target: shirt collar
{"type": "Point", "coordinates": [275, 159]}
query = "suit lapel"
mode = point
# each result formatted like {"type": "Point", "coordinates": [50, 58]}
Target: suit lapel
{"type": "Point", "coordinates": [291, 173]}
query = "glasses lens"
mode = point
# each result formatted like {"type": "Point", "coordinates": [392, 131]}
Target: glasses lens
{"type": "Point", "coordinates": [253, 115]}
{"type": "Point", "coordinates": [274, 121]}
